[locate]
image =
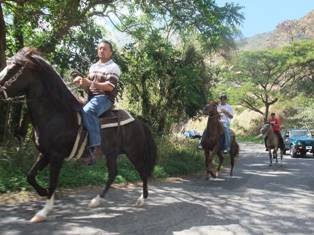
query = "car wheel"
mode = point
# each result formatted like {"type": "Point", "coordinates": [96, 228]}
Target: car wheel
{"type": "Point", "coordinates": [284, 151]}
{"type": "Point", "coordinates": [293, 151]}
{"type": "Point", "coordinates": [303, 154]}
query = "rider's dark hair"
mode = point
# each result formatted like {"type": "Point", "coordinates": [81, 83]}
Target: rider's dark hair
{"type": "Point", "coordinates": [107, 42]}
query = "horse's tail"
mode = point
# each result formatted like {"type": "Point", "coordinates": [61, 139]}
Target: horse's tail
{"type": "Point", "coordinates": [150, 150]}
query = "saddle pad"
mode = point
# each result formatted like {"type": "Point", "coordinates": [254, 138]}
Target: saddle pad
{"type": "Point", "coordinates": [117, 117]}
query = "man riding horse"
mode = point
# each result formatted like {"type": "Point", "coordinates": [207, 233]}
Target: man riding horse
{"type": "Point", "coordinates": [275, 122]}
{"type": "Point", "coordinates": [101, 85]}
{"type": "Point", "coordinates": [226, 114]}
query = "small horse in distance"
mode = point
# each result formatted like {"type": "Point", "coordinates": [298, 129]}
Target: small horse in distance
{"type": "Point", "coordinates": [55, 114]}
{"type": "Point", "coordinates": [214, 139]}
{"type": "Point", "coordinates": [272, 143]}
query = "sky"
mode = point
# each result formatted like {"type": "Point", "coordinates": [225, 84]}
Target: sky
{"type": "Point", "coordinates": [263, 16]}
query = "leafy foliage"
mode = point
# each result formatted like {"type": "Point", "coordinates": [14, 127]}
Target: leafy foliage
{"type": "Point", "coordinates": [264, 77]}
{"type": "Point", "coordinates": [67, 34]}
{"type": "Point", "coordinates": [165, 83]}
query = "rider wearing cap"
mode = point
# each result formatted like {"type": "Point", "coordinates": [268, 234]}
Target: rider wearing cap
{"type": "Point", "coordinates": [226, 114]}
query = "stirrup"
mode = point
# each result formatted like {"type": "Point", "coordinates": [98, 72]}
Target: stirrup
{"type": "Point", "coordinates": [200, 147]}
{"type": "Point", "coordinates": [91, 158]}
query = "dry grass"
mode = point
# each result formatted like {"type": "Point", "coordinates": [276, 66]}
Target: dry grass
{"type": "Point", "coordinates": [241, 123]}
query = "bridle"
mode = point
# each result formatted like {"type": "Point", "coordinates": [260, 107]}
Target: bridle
{"type": "Point", "coordinates": [265, 130]}
{"type": "Point", "coordinates": [213, 116]}
{"type": "Point", "coordinates": [9, 83]}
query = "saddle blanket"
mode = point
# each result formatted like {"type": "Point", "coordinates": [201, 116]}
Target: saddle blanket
{"type": "Point", "coordinates": [116, 117]}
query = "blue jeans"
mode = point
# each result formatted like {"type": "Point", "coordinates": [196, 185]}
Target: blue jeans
{"type": "Point", "coordinates": [96, 106]}
{"type": "Point", "coordinates": [227, 135]}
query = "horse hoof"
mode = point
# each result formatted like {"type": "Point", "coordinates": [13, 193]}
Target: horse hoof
{"type": "Point", "coordinates": [94, 203]}
{"type": "Point", "coordinates": [38, 219]}
{"type": "Point", "coordinates": [139, 202]}
{"type": "Point", "coordinates": [270, 164]}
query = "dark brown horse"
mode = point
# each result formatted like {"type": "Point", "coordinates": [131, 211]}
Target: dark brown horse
{"type": "Point", "coordinates": [214, 139]}
{"type": "Point", "coordinates": [55, 115]}
{"type": "Point", "coordinates": [272, 143]}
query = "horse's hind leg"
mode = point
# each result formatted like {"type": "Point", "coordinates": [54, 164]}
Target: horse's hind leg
{"type": "Point", "coordinates": [270, 158]}
{"type": "Point", "coordinates": [144, 195]}
{"type": "Point", "coordinates": [281, 156]}
{"type": "Point", "coordinates": [111, 162]}
{"type": "Point", "coordinates": [232, 156]}
{"type": "Point", "coordinates": [140, 167]}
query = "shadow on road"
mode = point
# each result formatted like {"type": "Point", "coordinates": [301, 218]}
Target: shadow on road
{"type": "Point", "coordinates": [258, 200]}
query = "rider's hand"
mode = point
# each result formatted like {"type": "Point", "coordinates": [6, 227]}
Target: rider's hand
{"type": "Point", "coordinates": [78, 80]}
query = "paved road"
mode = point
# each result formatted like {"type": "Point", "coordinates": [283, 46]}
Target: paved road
{"type": "Point", "coordinates": [258, 200]}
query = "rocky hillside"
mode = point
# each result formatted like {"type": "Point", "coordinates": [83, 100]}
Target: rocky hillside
{"type": "Point", "coordinates": [284, 34]}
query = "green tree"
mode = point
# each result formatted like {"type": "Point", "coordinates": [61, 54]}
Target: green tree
{"type": "Point", "coordinates": [50, 25]}
{"type": "Point", "coordinates": [264, 77]}
{"type": "Point", "coordinates": [163, 84]}
{"type": "Point", "coordinates": [43, 23]}
{"type": "Point", "coordinates": [303, 57]}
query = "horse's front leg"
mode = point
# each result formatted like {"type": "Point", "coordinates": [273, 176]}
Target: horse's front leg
{"type": "Point", "coordinates": [270, 157]}
{"type": "Point", "coordinates": [111, 162]}
{"type": "Point", "coordinates": [208, 161]}
{"type": "Point", "coordinates": [38, 166]}
{"type": "Point", "coordinates": [55, 167]}
{"type": "Point", "coordinates": [276, 156]}
{"type": "Point", "coordinates": [221, 160]}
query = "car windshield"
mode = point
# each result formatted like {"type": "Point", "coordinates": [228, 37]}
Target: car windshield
{"type": "Point", "coordinates": [300, 133]}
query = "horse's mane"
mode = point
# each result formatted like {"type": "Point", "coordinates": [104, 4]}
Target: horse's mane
{"type": "Point", "coordinates": [55, 85]}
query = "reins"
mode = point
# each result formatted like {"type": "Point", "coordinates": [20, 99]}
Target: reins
{"type": "Point", "coordinates": [213, 116]}
{"type": "Point", "coordinates": [9, 83]}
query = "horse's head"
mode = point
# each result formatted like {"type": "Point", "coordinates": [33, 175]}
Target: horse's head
{"type": "Point", "coordinates": [265, 129]}
{"type": "Point", "coordinates": [13, 80]}
{"type": "Point", "coordinates": [211, 109]}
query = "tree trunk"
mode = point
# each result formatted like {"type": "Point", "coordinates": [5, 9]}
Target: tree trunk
{"type": "Point", "coordinates": [3, 121]}
{"type": "Point", "coordinates": [2, 41]}
{"type": "Point", "coordinates": [22, 130]}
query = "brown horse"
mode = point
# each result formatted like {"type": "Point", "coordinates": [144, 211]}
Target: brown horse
{"type": "Point", "coordinates": [55, 115]}
{"type": "Point", "coordinates": [272, 143]}
{"type": "Point", "coordinates": [214, 139]}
